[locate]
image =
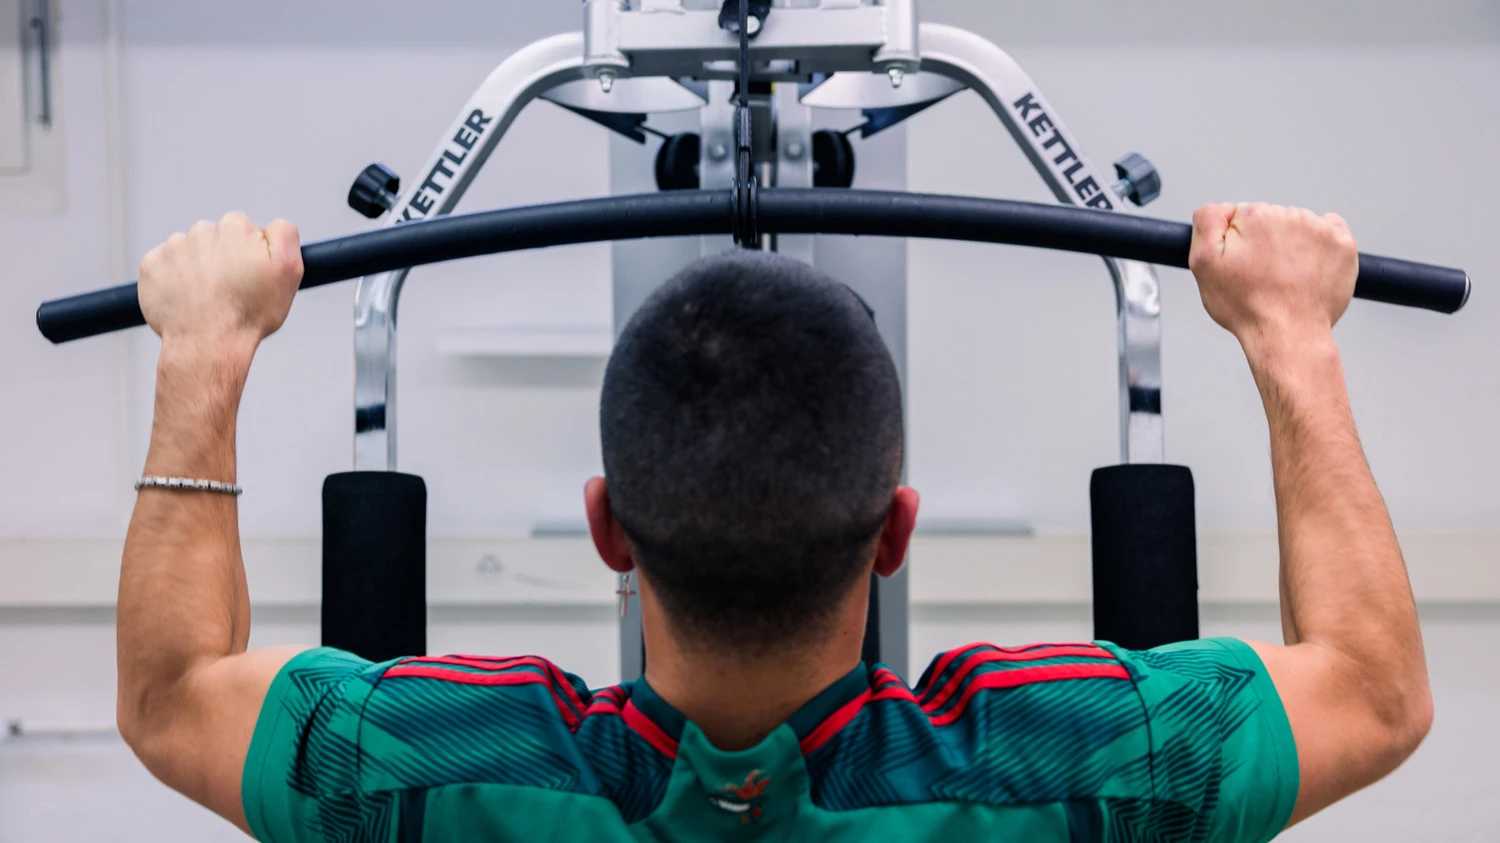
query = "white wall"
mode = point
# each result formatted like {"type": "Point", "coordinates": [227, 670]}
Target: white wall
{"type": "Point", "coordinates": [1384, 112]}
{"type": "Point", "coordinates": [60, 436]}
{"type": "Point", "coordinates": [1388, 117]}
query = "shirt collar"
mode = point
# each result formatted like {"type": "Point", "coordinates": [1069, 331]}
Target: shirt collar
{"type": "Point", "coordinates": [803, 721]}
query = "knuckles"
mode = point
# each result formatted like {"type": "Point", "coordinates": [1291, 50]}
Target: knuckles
{"type": "Point", "coordinates": [251, 268]}
{"type": "Point", "coordinates": [236, 221]}
{"type": "Point", "coordinates": [151, 262]}
{"type": "Point", "coordinates": [289, 267]}
{"type": "Point", "coordinates": [173, 245]}
{"type": "Point", "coordinates": [287, 239]}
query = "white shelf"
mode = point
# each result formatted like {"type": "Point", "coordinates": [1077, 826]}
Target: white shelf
{"type": "Point", "coordinates": [562, 569]}
{"type": "Point", "coordinates": [977, 527]}
{"type": "Point", "coordinates": [571, 341]}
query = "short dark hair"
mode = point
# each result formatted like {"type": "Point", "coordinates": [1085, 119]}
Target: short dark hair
{"type": "Point", "coordinates": [751, 420]}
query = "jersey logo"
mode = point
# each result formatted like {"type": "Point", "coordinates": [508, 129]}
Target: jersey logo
{"type": "Point", "coordinates": [742, 799]}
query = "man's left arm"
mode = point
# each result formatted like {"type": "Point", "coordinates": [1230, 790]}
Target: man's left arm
{"type": "Point", "coordinates": [189, 691]}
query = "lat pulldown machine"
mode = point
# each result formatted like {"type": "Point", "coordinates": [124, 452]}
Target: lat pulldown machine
{"type": "Point", "coordinates": [760, 172]}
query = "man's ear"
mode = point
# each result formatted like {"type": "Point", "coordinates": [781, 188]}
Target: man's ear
{"type": "Point", "coordinates": [895, 536]}
{"type": "Point", "coordinates": [609, 537]}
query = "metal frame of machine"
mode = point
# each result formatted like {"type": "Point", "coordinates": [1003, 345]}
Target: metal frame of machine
{"type": "Point", "coordinates": [841, 53]}
{"type": "Point", "coordinates": [662, 42]}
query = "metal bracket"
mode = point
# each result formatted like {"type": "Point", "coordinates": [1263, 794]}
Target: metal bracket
{"type": "Point", "coordinates": [436, 189]}
{"type": "Point", "coordinates": [40, 24]}
{"type": "Point", "coordinates": [1074, 180]}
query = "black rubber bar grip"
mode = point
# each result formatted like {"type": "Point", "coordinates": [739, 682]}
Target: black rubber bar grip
{"type": "Point", "coordinates": [779, 210]}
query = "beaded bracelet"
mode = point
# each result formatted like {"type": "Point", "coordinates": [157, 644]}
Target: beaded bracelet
{"type": "Point", "coordinates": [187, 484]}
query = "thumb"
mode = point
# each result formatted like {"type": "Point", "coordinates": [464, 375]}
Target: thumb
{"type": "Point", "coordinates": [1210, 230]}
{"type": "Point", "coordinates": [285, 245]}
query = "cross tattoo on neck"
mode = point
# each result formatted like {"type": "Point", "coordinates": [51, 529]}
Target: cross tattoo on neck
{"type": "Point", "coordinates": [624, 591]}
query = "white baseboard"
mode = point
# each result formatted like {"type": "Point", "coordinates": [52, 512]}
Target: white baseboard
{"type": "Point", "coordinates": [945, 570]}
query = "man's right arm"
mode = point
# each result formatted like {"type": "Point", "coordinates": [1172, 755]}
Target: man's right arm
{"type": "Point", "coordinates": [1351, 675]}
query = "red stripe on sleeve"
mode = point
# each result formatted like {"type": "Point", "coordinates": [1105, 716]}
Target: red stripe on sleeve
{"type": "Point", "coordinates": [492, 665]}
{"type": "Point", "coordinates": [1029, 676]}
{"type": "Point", "coordinates": [986, 656]}
{"type": "Point", "coordinates": [606, 701]}
{"type": "Point", "coordinates": [947, 658]}
{"type": "Point", "coordinates": [464, 677]}
{"type": "Point", "coordinates": [896, 693]}
{"type": "Point", "coordinates": [613, 692]}
{"type": "Point", "coordinates": [467, 677]}
{"type": "Point", "coordinates": [496, 663]}
{"type": "Point", "coordinates": [893, 692]}
{"type": "Point", "coordinates": [648, 730]}
{"type": "Point", "coordinates": [888, 686]}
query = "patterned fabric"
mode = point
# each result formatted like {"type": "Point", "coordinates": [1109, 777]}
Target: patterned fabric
{"type": "Point", "coordinates": [1049, 729]}
{"type": "Point", "coordinates": [1183, 743]}
{"type": "Point", "coordinates": [362, 740]}
{"type": "Point", "coordinates": [1050, 742]}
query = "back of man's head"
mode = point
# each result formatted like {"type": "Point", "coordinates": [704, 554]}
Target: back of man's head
{"type": "Point", "coordinates": [752, 432]}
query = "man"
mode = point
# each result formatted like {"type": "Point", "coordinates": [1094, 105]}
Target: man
{"type": "Point", "coordinates": [752, 438]}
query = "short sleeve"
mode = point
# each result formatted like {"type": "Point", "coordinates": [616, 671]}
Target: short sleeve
{"type": "Point", "coordinates": [1221, 744]}
{"type": "Point", "coordinates": [302, 766]}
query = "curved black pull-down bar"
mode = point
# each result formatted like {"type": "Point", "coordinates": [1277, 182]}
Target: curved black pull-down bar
{"type": "Point", "coordinates": [780, 210]}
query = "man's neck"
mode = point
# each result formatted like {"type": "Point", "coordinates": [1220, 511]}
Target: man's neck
{"type": "Point", "coordinates": [738, 702]}
{"type": "Point", "coordinates": [737, 705]}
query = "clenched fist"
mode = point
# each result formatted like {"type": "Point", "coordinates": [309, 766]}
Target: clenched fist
{"type": "Point", "coordinates": [229, 282]}
{"type": "Point", "coordinates": [1266, 271]}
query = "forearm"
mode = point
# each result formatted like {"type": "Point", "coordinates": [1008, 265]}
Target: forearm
{"type": "Point", "coordinates": [183, 599]}
{"type": "Point", "coordinates": [1343, 581]}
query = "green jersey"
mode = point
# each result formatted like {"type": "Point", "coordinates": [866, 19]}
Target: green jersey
{"type": "Point", "coordinates": [1050, 742]}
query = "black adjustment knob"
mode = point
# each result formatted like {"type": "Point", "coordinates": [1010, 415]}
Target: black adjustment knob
{"type": "Point", "coordinates": [729, 16]}
{"type": "Point", "coordinates": [677, 162]}
{"type": "Point", "coordinates": [374, 192]}
{"type": "Point", "coordinates": [833, 159]}
{"type": "Point", "coordinates": [1139, 182]}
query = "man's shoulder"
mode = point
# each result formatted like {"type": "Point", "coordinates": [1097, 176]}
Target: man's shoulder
{"type": "Point", "coordinates": [347, 747]}
{"type": "Point", "coordinates": [993, 725]}
{"type": "Point", "coordinates": [1137, 737]}
{"type": "Point", "coordinates": [438, 689]}
{"type": "Point", "coordinates": [1096, 693]}
{"type": "Point", "coordinates": [433, 721]}
{"type": "Point", "coordinates": [954, 684]}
